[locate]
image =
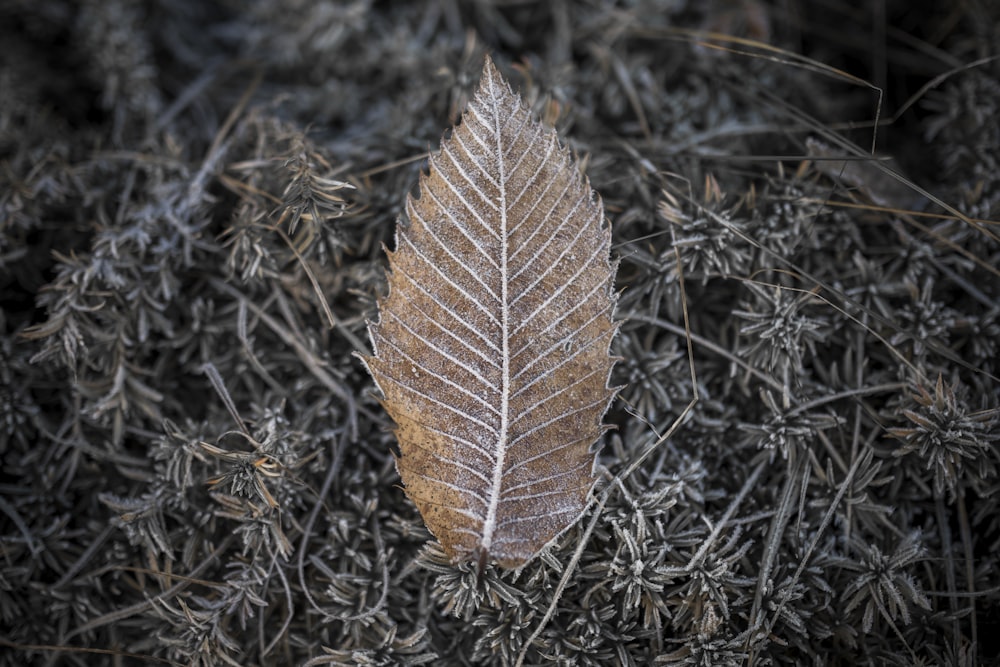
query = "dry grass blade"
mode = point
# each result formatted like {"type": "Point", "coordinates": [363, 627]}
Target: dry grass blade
{"type": "Point", "coordinates": [491, 349]}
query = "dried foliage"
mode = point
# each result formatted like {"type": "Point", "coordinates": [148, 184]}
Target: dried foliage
{"type": "Point", "coordinates": [193, 200]}
{"type": "Point", "coordinates": [491, 347]}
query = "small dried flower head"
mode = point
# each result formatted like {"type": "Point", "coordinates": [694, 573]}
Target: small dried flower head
{"type": "Point", "coordinates": [635, 576]}
{"type": "Point", "coordinates": [708, 242]}
{"type": "Point", "coordinates": [786, 430]}
{"type": "Point", "coordinates": [950, 438]}
{"type": "Point", "coordinates": [883, 583]}
{"type": "Point", "coordinates": [462, 590]}
{"type": "Point", "coordinates": [778, 329]}
{"type": "Point", "coordinates": [786, 216]}
{"type": "Point", "coordinates": [650, 371]}
{"type": "Point", "coordinates": [310, 196]}
{"type": "Point", "coordinates": [142, 519]}
{"type": "Point", "coordinates": [925, 322]}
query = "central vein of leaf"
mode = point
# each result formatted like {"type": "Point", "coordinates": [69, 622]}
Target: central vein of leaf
{"type": "Point", "coordinates": [489, 525]}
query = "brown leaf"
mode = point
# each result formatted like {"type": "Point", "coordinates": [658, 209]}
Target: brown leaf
{"type": "Point", "coordinates": [491, 349]}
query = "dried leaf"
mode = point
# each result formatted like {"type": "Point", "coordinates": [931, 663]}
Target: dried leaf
{"type": "Point", "coordinates": [491, 349]}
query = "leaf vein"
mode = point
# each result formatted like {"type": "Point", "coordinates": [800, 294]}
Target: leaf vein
{"type": "Point", "coordinates": [584, 266]}
{"type": "Point", "coordinates": [434, 297]}
{"type": "Point", "coordinates": [549, 422]}
{"type": "Point", "coordinates": [467, 178]}
{"type": "Point", "coordinates": [530, 261]}
{"type": "Point", "coordinates": [461, 228]}
{"type": "Point", "coordinates": [468, 269]}
{"type": "Point", "coordinates": [437, 401]}
{"type": "Point", "coordinates": [562, 362]}
{"type": "Point", "coordinates": [447, 355]}
{"type": "Point", "coordinates": [458, 288]}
